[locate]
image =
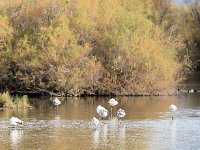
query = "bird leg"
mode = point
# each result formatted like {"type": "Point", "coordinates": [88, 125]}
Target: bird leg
{"type": "Point", "coordinates": [101, 120]}
{"type": "Point", "coordinates": [55, 108]}
{"type": "Point", "coordinates": [120, 121]}
{"type": "Point", "coordinates": [111, 111]}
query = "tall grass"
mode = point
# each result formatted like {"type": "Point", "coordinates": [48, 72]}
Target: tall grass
{"type": "Point", "coordinates": [8, 101]}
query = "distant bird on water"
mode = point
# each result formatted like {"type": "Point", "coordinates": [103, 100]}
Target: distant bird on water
{"type": "Point", "coordinates": [15, 121]}
{"type": "Point", "coordinates": [56, 101]}
{"type": "Point", "coordinates": [172, 109]}
{"type": "Point", "coordinates": [192, 90]}
{"type": "Point", "coordinates": [112, 102]}
{"type": "Point", "coordinates": [102, 111]}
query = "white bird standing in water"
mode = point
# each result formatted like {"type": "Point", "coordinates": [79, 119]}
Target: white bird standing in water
{"type": "Point", "coordinates": [121, 113]}
{"type": "Point", "coordinates": [112, 102]}
{"type": "Point", "coordinates": [15, 121]}
{"type": "Point", "coordinates": [95, 121]}
{"type": "Point", "coordinates": [172, 108]}
{"type": "Point", "coordinates": [56, 101]}
{"type": "Point", "coordinates": [102, 111]}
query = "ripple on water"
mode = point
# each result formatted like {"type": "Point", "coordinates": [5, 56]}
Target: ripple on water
{"type": "Point", "coordinates": [162, 133]}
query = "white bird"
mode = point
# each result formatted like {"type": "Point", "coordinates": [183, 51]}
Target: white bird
{"type": "Point", "coordinates": [56, 101]}
{"type": "Point", "coordinates": [15, 121]}
{"type": "Point", "coordinates": [121, 113]}
{"type": "Point", "coordinates": [95, 121]}
{"type": "Point", "coordinates": [102, 111]}
{"type": "Point", "coordinates": [192, 91]}
{"type": "Point", "coordinates": [98, 109]}
{"type": "Point", "coordinates": [172, 108]}
{"type": "Point", "coordinates": [112, 102]}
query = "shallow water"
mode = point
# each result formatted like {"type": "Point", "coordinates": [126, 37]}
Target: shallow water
{"type": "Point", "coordinates": [147, 125]}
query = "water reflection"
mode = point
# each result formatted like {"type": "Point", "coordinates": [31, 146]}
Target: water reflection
{"type": "Point", "coordinates": [147, 124]}
{"type": "Point", "coordinates": [100, 135]}
{"type": "Point", "coordinates": [57, 119]}
{"type": "Point", "coordinates": [85, 108]}
{"type": "Point", "coordinates": [122, 130]}
{"type": "Point", "coordinates": [113, 121]}
{"type": "Point", "coordinates": [111, 132]}
{"type": "Point", "coordinates": [173, 134]}
{"type": "Point", "coordinates": [15, 137]}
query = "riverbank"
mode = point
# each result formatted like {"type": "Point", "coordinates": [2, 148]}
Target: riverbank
{"type": "Point", "coordinates": [8, 101]}
{"type": "Point", "coordinates": [49, 93]}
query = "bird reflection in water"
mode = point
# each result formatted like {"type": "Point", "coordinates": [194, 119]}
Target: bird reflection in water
{"type": "Point", "coordinates": [121, 135]}
{"type": "Point", "coordinates": [15, 137]}
{"type": "Point", "coordinates": [173, 135]}
{"type": "Point", "coordinates": [57, 122]}
{"type": "Point", "coordinates": [100, 135]}
{"type": "Point", "coordinates": [111, 130]}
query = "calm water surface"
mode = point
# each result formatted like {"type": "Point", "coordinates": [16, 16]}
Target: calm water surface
{"type": "Point", "coordinates": [147, 125]}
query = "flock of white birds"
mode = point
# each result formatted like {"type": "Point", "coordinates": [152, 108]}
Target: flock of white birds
{"type": "Point", "coordinates": [101, 111]}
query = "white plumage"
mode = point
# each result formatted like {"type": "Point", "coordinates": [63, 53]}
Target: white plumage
{"type": "Point", "coordinates": [56, 101]}
{"type": "Point", "coordinates": [95, 121]}
{"type": "Point", "coordinates": [98, 109]}
{"type": "Point", "coordinates": [192, 91]}
{"type": "Point", "coordinates": [172, 108]}
{"type": "Point", "coordinates": [15, 121]}
{"type": "Point", "coordinates": [112, 102]}
{"type": "Point", "coordinates": [121, 113]}
{"type": "Point", "coordinates": [102, 111]}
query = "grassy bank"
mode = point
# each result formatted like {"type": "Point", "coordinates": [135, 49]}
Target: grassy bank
{"type": "Point", "coordinates": [8, 101]}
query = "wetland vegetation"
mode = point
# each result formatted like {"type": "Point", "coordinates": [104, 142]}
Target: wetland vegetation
{"type": "Point", "coordinates": [8, 101]}
{"type": "Point", "coordinates": [87, 47]}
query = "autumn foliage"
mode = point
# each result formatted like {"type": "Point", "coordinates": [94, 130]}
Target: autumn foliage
{"type": "Point", "coordinates": [94, 47]}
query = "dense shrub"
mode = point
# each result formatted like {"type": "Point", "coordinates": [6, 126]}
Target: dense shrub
{"type": "Point", "coordinates": [88, 47]}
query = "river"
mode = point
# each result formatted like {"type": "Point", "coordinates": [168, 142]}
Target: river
{"type": "Point", "coordinates": [146, 126]}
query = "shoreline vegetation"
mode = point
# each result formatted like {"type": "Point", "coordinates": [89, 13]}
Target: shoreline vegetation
{"type": "Point", "coordinates": [48, 93]}
{"type": "Point", "coordinates": [8, 101]}
{"type": "Point", "coordinates": [79, 48]}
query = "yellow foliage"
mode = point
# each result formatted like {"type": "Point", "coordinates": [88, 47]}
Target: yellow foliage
{"type": "Point", "coordinates": [90, 46]}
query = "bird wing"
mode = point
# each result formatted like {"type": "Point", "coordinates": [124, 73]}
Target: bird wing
{"type": "Point", "coordinates": [16, 120]}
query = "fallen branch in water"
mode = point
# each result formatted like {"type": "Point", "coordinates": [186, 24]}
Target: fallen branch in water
{"type": "Point", "coordinates": [38, 91]}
